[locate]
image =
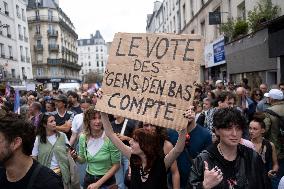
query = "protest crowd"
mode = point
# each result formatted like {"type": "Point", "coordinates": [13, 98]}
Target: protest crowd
{"type": "Point", "coordinates": [234, 139]}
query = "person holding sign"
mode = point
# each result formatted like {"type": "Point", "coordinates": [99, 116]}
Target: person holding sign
{"type": "Point", "coordinates": [148, 167]}
{"type": "Point", "coordinates": [101, 156]}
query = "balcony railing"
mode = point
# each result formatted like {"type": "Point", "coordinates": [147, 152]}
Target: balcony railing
{"type": "Point", "coordinates": [53, 47]}
{"type": "Point", "coordinates": [52, 33]}
{"type": "Point", "coordinates": [43, 18]}
{"type": "Point", "coordinates": [21, 37]}
{"type": "Point", "coordinates": [38, 35]}
{"type": "Point", "coordinates": [38, 47]}
{"type": "Point", "coordinates": [51, 61]}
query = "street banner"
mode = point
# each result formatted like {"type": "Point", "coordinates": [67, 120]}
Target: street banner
{"type": "Point", "coordinates": [150, 77]}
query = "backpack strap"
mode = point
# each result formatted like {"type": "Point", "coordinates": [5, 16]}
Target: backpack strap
{"type": "Point", "coordinates": [34, 175]}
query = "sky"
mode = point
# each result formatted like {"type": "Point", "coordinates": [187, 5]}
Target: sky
{"type": "Point", "coordinates": [108, 16]}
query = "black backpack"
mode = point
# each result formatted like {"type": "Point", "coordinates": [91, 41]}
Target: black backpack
{"type": "Point", "coordinates": [280, 118]}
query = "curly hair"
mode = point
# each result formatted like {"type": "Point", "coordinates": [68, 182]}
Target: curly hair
{"type": "Point", "coordinates": [88, 116]}
{"type": "Point", "coordinates": [225, 117]}
{"type": "Point", "coordinates": [148, 143]}
{"type": "Point", "coordinates": [13, 125]}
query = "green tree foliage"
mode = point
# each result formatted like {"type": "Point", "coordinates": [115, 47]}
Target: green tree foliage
{"type": "Point", "coordinates": [233, 29]}
{"type": "Point", "coordinates": [93, 77]}
{"type": "Point", "coordinates": [262, 12]}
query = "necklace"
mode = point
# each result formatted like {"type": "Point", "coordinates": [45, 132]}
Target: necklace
{"type": "Point", "coordinates": [144, 174]}
{"type": "Point", "coordinates": [219, 149]}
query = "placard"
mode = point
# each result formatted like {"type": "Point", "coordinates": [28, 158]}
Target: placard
{"type": "Point", "coordinates": [150, 77]}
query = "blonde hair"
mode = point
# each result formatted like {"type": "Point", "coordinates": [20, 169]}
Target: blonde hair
{"type": "Point", "coordinates": [88, 116]}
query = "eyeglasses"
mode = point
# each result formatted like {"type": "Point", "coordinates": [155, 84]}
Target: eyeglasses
{"type": "Point", "coordinates": [257, 94]}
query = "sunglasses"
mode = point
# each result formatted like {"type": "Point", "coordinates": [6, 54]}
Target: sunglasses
{"type": "Point", "coordinates": [257, 94]}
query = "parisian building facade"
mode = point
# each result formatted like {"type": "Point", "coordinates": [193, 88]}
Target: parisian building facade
{"type": "Point", "coordinates": [192, 17]}
{"type": "Point", "coordinates": [15, 59]}
{"type": "Point", "coordinates": [53, 43]}
{"type": "Point", "coordinates": [92, 54]}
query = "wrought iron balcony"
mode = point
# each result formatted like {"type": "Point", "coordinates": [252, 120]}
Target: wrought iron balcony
{"type": "Point", "coordinates": [52, 33]}
{"type": "Point", "coordinates": [51, 61]}
{"type": "Point", "coordinates": [53, 47]}
{"type": "Point", "coordinates": [38, 47]}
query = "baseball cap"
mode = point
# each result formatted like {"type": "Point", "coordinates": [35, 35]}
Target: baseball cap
{"type": "Point", "coordinates": [218, 81]}
{"type": "Point", "coordinates": [275, 94]}
{"type": "Point", "coordinates": [61, 97]}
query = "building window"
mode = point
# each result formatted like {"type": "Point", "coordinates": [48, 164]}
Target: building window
{"type": "Point", "coordinates": [89, 63]}
{"type": "Point", "coordinates": [184, 15]}
{"type": "Point", "coordinates": [50, 15]}
{"type": "Point", "coordinates": [8, 31]}
{"type": "Point", "coordinates": [102, 63]}
{"type": "Point", "coordinates": [202, 28]}
{"type": "Point", "coordinates": [38, 29]}
{"type": "Point", "coordinates": [102, 49]}
{"type": "Point", "coordinates": [191, 8]}
{"type": "Point", "coordinates": [13, 71]}
{"type": "Point", "coordinates": [20, 32]}
{"type": "Point", "coordinates": [2, 50]}
{"type": "Point", "coordinates": [97, 56]}
{"type": "Point", "coordinates": [97, 48]}
{"type": "Point", "coordinates": [39, 71]}
{"type": "Point", "coordinates": [27, 53]}
{"type": "Point", "coordinates": [6, 9]}
{"type": "Point", "coordinates": [88, 48]}
{"type": "Point", "coordinates": [241, 11]}
{"type": "Point", "coordinates": [98, 64]}
{"type": "Point", "coordinates": [37, 14]}
{"type": "Point", "coordinates": [1, 28]}
{"type": "Point", "coordinates": [23, 15]}
{"type": "Point", "coordinates": [10, 52]}
{"type": "Point", "coordinates": [192, 31]}
{"type": "Point", "coordinates": [18, 11]}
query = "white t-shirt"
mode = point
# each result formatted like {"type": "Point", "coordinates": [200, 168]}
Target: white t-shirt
{"type": "Point", "coordinates": [52, 140]}
{"type": "Point", "coordinates": [77, 123]}
{"type": "Point", "coordinates": [95, 144]}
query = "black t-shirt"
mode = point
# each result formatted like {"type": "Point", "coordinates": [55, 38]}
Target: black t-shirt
{"type": "Point", "coordinates": [46, 179]}
{"type": "Point", "coordinates": [130, 126]}
{"type": "Point", "coordinates": [157, 178]}
{"type": "Point", "coordinates": [76, 110]}
{"type": "Point", "coordinates": [68, 116]}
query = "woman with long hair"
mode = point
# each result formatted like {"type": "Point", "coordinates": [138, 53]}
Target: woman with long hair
{"type": "Point", "coordinates": [148, 166]}
{"type": "Point", "coordinates": [100, 154]}
{"type": "Point", "coordinates": [50, 149]}
{"type": "Point", "coordinates": [263, 147]}
{"type": "Point", "coordinates": [165, 146]}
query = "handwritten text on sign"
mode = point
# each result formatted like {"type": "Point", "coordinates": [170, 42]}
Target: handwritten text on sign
{"type": "Point", "coordinates": [149, 77]}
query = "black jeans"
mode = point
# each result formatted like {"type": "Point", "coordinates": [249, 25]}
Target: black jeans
{"type": "Point", "coordinates": [89, 179]}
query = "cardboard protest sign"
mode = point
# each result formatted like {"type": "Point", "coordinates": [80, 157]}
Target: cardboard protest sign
{"type": "Point", "coordinates": [150, 77]}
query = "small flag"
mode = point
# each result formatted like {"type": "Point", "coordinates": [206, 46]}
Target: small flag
{"type": "Point", "coordinates": [17, 102]}
{"type": "Point", "coordinates": [7, 90]}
